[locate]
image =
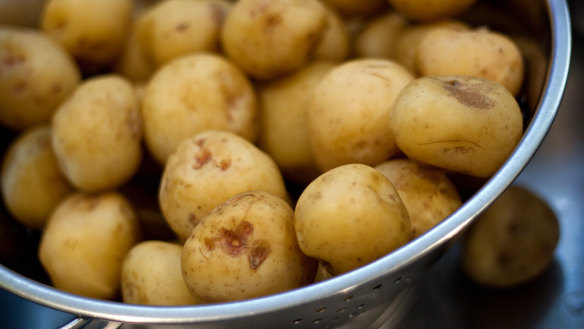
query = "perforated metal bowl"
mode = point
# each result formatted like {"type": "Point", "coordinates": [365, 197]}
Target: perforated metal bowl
{"type": "Point", "coordinates": [376, 295]}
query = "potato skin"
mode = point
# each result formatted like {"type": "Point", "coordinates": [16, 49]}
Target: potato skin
{"type": "Point", "coordinates": [97, 134]}
{"type": "Point", "coordinates": [32, 182]}
{"type": "Point", "coordinates": [463, 124]}
{"type": "Point", "coordinates": [245, 248]}
{"type": "Point", "coordinates": [206, 170]}
{"type": "Point", "coordinates": [357, 7]}
{"type": "Point", "coordinates": [195, 93]}
{"type": "Point", "coordinates": [427, 193]}
{"type": "Point", "coordinates": [347, 116]}
{"type": "Point", "coordinates": [151, 275]}
{"type": "Point", "coordinates": [379, 36]}
{"type": "Point", "coordinates": [283, 130]}
{"type": "Point", "coordinates": [85, 241]}
{"type": "Point", "coordinates": [479, 53]}
{"type": "Point", "coordinates": [92, 31]}
{"type": "Point", "coordinates": [512, 241]}
{"type": "Point", "coordinates": [36, 75]}
{"type": "Point", "coordinates": [270, 38]}
{"type": "Point", "coordinates": [350, 216]}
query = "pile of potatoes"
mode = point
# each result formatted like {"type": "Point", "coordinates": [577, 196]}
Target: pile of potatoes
{"type": "Point", "coordinates": [285, 137]}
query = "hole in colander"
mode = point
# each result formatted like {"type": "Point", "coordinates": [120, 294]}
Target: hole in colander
{"type": "Point", "coordinates": [348, 298]}
{"type": "Point", "coordinates": [398, 280]}
{"type": "Point", "coordinates": [336, 318]}
{"type": "Point", "coordinates": [377, 287]}
{"type": "Point", "coordinates": [351, 315]}
{"type": "Point", "coordinates": [316, 321]}
{"type": "Point", "coordinates": [297, 321]}
{"type": "Point", "coordinates": [341, 310]}
{"type": "Point", "coordinates": [360, 307]}
{"type": "Point", "coordinates": [320, 310]}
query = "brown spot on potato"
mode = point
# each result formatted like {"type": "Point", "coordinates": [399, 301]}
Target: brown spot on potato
{"type": "Point", "coordinates": [259, 253]}
{"type": "Point", "coordinates": [182, 27]}
{"type": "Point", "coordinates": [192, 218]}
{"type": "Point", "coordinates": [232, 242]}
{"type": "Point", "coordinates": [11, 59]}
{"type": "Point", "coordinates": [469, 95]}
{"type": "Point", "coordinates": [202, 157]}
{"type": "Point", "coordinates": [225, 164]}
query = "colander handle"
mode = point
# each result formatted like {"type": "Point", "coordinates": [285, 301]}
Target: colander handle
{"type": "Point", "coordinates": [80, 322]}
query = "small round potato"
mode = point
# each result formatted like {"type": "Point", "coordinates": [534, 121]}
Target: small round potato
{"type": "Point", "coordinates": [334, 44]}
{"type": "Point", "coordinates": [427, 193]}
{"type": "Point", "coordinates": [32, 183]}
{"type": "Point", "coordinates": [93, 31]}
{"type": "Point", "coordinates": [206, 170]}
{"type": "Point", "coordinates": [195, 93]}
{"type": "Point", "coordinates": [271, 38]}
{"type": "Point", "coordinates": [85, 241]}
{"type": "Point", "coordinates": [36, 75]}
{"type": "Point", "coordinates": [175, 28]}
{"type": "Point", "coordinates": [357, 7]}
{"type": "Point", "coordinates": [405, 50]}
{"type": "Point", "coordinates": [244, 248]}
{"type": "Point", "coordinates": [347, 116]}
{"type": "Point", "coordinates": [151, 275]}
{"type": "Point", "coordinates": [97, 134]}
{"type": "Point", "coordinates": [462, 124]}
{"type": "Point", "coordinates": [379, 36]}
{"type": "Point", "coordinates": [133, 63]}
{"type": "Point", "coordinates": [350, 216]}
{"type": "Point", "coordinates": [479, 53]}
{"type": "Point", "coordinates": [512, 241]}
{"type": "Point", "coordinates": [430, 10]}
{"type": "Point", "coordinates": [283, 131]}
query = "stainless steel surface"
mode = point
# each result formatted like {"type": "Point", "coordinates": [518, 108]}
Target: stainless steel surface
{"type": "Point", "coordinates": [386, 287]}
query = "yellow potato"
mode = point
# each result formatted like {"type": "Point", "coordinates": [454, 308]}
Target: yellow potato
{"type": "Point", "coordinates": [151, 275]}
{"type": "Point", "coordinates": [430, 10]}
{"type": "Point", "coordinates": [133, 63]}
{"type": "Point", "coordinates": [206, 170]}
{"type": "Point", "coordinates": [175, 28]}
{"type": "Point", "coordinates": [512, 241]}
{"type": "Point", "coordinates": [350, 216]}
{"type": "Point", "coordinates": [85, 241]}
{"type": "Point", "coordinates": [93, 31]}
{"type": "Point", "coordinates": [271, 38]}
{"type": "Point", "coordinates": [32, 183]}
{"type": "Point", "coordinates": [283, 130]}
{"type": "Point", "coordinates": [405, 50]}
{"type": "Point", "coordinates": [479, 53]}
{"type": "Point", "coordinates": [97, 134]}
{"type": "Point", "coordinates": [36, 75]}
{"type": "Point", "coordinates": [379, 36]}
{"type": "Point", "coordinates": [358, 7]}
{"type": "Point", "coordinates": [334, 44]}
{"type": "Point", "coordinates": [195, 93]}
{"type": "Point", "coordinates": [463, 124]}
{"type": "Point", "coordinates": [427, 193]}
{"type": "Point", "coordinates": [347, 116]}
{"type": "Point", "coordinates": [245, 248]}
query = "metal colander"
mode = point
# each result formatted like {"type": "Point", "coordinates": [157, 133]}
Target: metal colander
{"type": "Point", "coordinates": [377, 295]}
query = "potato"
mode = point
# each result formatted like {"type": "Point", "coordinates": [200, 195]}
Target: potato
{"type": "Point", "coordinates": [350, 216]}
{"type": "Point", "coordinates": [133, 63]}
{"type": "Point", "coordinates": [85, 241]}
{"type": "Point", "coordinates": [36, 75]}
{"type": "Point", "coordinates": [430, 10]}
{"type": "Point", "coordinates": [379, 36]}
{"type": "Point", "coordinates": [245, 248]}
{"type": "Point", "coordinates": [427, 193]}
{"type": "Point", "coordinates": [195, 93]}
{"type": "Point", "coordinates": [357, 7]}
{"type": "Point", "coordinates": [463, 124]}
{"type": "Point", "coordinates": [512, 241]}
{"type": "Point", "coordinates": [93, 31]}
{"type": "Point", "coordinates": [97, 134]}
{"type": "Point", "coordinates": [270, 38]}
{"type": "Point", "coordinates": [206, 170]}
{"type": "Point", "coordinates": [175, 28]}
{"type": "Point", "coordinates": [151, 275]}
{"type": "Point", "coordinates": [283, 131]}
{"type": "Point", "coordinates": [32, 183]}
{"type": "Point", "coordinates": [347, 117]}
{"type": "Point", "coordinates": [405, 50]}
{"type": "Point", "coordinates": [480, 53]}
{"type": "Point", "coordinates": [334, 44]}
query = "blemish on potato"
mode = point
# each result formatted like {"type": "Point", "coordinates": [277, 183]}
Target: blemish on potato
{"type": "Point", "coordinates": [259, 253]}
{"type": "Point", "coordinates": [202, 157]}
{"type": "Point", "coordinates": [232, 242]}
{"type": "Point", "coordinates": [468, 94]}
{"type": "Point", "coordinates": [182, 27]}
